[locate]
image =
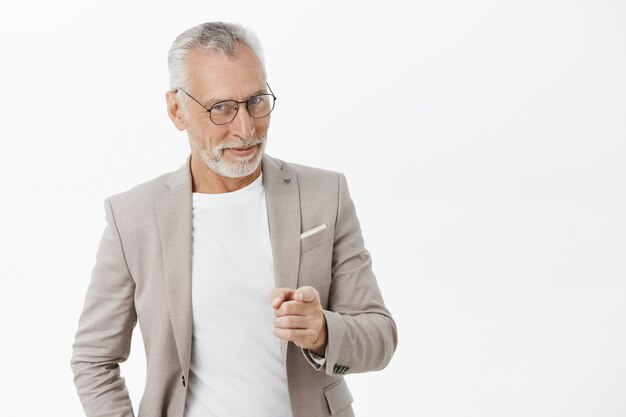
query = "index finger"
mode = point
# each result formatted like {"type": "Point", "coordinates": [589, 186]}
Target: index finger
{"type": "Point", "coordinates": [279, 295]}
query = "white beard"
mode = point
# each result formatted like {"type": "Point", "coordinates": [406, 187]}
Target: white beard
{"type": "Point", "coordinates": [241, 167]}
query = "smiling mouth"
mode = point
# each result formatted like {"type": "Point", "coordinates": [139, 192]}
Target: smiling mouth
{"type": "Point", "coordinates": [243, 152]}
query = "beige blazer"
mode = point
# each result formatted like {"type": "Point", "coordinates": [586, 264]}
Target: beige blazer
{"type": "Point", "coordinates": [143, 274]}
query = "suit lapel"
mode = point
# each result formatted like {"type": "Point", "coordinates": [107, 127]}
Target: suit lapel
{"type": "Point", "coordinates": [174, 219]}
{"type": "Point", "coordinates": [283, 210]}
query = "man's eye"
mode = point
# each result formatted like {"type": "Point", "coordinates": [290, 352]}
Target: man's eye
{"type": "Point", "coordinates": [222, 107]}
{"type": "Point", "coordinates": [256, 100]}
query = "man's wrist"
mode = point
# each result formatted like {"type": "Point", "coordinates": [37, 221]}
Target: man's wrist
{"type": "Point", "coordinates": [319, 347]}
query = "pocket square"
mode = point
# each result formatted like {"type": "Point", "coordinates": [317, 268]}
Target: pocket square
{"type": "Point", "coordinates": [313, 231]}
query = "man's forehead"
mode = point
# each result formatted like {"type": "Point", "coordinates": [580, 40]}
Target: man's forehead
{"type": "Point", "coordinates": [213, 72]}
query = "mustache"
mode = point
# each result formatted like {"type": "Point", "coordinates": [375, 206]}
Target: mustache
{"type": "Point", "coordinates": [242, 143]}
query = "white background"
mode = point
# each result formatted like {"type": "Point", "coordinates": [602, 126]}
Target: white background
{"type": "Point", "coordinates": [484, 145]}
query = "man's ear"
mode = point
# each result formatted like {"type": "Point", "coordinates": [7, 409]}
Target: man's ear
{"type": "Point", "coordinates": [175, 110]}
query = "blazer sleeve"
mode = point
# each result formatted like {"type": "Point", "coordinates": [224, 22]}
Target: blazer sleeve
{"type": "Point", "coordinates": [105, 330]}
{"type": "Point", "coordinates": [362, 335]}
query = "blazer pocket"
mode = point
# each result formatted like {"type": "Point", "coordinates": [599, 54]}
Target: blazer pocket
{"type": "Point", "coordinates": [338, 396]}
{"type": "Point", "coordinates": [316, 239]}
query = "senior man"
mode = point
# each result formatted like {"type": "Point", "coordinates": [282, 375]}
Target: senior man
{"type": "Point", "coordinates": [248, 275]}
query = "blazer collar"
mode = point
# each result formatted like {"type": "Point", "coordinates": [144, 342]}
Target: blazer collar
{"type": "Point", "coordinates": [173, 207]}
{"type": "Point", "coordinates": [282, 197]}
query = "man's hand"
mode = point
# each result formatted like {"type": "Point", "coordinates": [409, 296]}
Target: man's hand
{"type": "Point", "coordinates": [299, 318]}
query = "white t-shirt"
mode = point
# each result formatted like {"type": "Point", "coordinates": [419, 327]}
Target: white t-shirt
{"type": "Point", "coordinates": [236, 366]}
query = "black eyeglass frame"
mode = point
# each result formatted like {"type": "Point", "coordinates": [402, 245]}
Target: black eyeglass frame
{"type": "Point", "coordinates": [271, 93]}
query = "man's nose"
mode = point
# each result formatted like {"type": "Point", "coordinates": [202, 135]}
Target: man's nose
{"type": "Point", "coordinates": [243, 124]}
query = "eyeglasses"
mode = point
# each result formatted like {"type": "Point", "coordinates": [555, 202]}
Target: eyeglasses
{"type": "Point", "coordinates": [224, 112]}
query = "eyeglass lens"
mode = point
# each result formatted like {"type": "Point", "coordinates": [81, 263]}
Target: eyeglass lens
{"type": "Point", "coordinates": [258, 106]}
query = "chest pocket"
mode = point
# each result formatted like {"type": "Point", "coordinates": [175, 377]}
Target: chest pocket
{"type": "Point", "coordinates": [316, 239]}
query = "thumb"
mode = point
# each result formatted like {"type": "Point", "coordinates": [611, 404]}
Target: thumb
{"type": "Point", "coordinates": [306, 294]}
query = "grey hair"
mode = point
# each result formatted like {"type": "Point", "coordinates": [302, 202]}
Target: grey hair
{"type": "Point", "coordinates": [218, 36]}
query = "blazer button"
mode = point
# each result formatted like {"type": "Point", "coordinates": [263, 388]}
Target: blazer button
{"type": "Point", "coordinates": [287, 180]}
